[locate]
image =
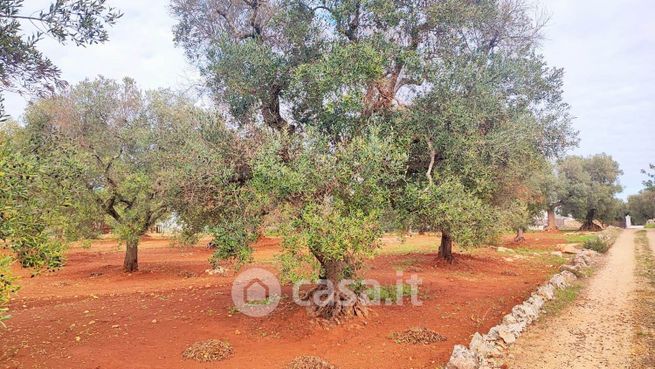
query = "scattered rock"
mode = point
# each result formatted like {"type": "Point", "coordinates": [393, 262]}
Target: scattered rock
{"type": "Point", "coordinates": [219, 270]}
{"type": "Point", "coordinates": [569, 248]}
{"type": "Point", "coordinates": [417, 336]}
{"type": "Point", "coordinates": [557, 253]}
{"type": "Point", "coordinates": [210, 350]}
{"type": "Point", "coordinates": [309, 362]}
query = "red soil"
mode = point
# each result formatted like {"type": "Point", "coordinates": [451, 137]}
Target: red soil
{"type": "Point", "coordinates": [92, 315]}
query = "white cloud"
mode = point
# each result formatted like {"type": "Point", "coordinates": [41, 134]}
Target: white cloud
{"type": "Point", "coordinates": [607, 49]}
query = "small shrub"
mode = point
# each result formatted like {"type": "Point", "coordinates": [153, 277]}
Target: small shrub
{"type": "Point", "coordinates": [389, 293]}
{"type": "Point", "coordinates": [603, 241]}
{"type": "Point", "coordinates": [597, 245]}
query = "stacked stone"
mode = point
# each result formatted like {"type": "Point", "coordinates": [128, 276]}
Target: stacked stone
{"type": "Point", "coordinates": [487, 351]}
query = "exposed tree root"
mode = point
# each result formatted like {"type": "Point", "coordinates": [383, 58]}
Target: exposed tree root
{"type": "Point", "coordinates": [591, 227]}
{"type": "Point", "coordinates": [335, 305]}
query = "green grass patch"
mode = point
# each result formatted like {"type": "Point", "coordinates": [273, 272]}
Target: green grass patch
{"type": "Point", "coordinates": [644, 339]}
{"type": "Point", "coordinates": [563, 298]}
{"type": "Point", "coordinates": [390, 293]}
{"type": "Point", "coordinates": [649, 226]}
{"type": "Point", "coordinates": [544, 256]}
{"type": "Point", "coordinates": [579, 237]}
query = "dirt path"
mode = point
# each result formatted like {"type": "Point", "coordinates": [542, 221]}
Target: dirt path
{"type": "Point", "coordinates": [596, 331]}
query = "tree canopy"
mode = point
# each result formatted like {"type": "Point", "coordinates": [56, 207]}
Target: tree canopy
{"type": "Point", "coordinates": [471, 105]}
{"type": "Point", "coordinates": [641, 206]}
{"type": "Point", "coordinates": [112, 147]}
{"type": "Point", "coordinates": [590, 184]}
{"type": "Point", "coordinates": [23, 68]}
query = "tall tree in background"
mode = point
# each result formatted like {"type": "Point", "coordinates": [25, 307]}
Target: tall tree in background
{"type": "Point", "coordinates": [642, 206]}
{"type": "Point", "coordinates": [650, 183]}
{"type": "Point", "coordinates": [591, 184]}
{"type": "Point", "coordinates": [106, 144]}
{"type": "Point", "coordinates": [552, 191]}
{"type": "Point", "coordinates": [23, 68]}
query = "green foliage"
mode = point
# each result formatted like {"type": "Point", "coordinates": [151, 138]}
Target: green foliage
{"type": "Point", "coordinates": [650, 183]}
{"type": "Point", "coordinates": [112, 150]}
{"type": "Point", "coordinates": [591, 184]}
{"type": "Point", "coordinates": [475, 111]}
{"type": "Point", "coordinates": [332, 200]}
{"type": "Point", "coordinates": [26, 209]}
{"type": "Point", "coordinates": [641, 206]}
{"type": "Point", "coordinates": [390, 293]}
{"type": "Point", "coordinates": [23, 67]}
{"type": "Point", "coordinates": [450, 207]}
{"type": "Point", "coordinates": [650, 226]}
{"type": "Point", "coordinates": [563, 298]}
{"type": "Point", "coordinates": [7, 286]}
{"type": "Point", "coordinates": [597, 245]}
{"type": "Point", "coordinates": [39, 252]}
{"type": "Point", "coordinates": [232, 241]}
{"type": "Point", "coordinates": [603, 241]}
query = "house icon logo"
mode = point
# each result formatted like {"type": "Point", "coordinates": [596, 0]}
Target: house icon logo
{"type": "Point", "coordinates": [256, 292]}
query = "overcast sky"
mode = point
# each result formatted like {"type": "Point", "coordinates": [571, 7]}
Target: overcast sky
{"type": "Point", "coordinates": [607, 49]}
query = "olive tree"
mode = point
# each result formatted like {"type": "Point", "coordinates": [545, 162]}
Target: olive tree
{"type": "Point", "coordinates": [591, 184]}
{"type": "Point", "coordinates": [642, 206]}
{"type": "Point", "coordinates": [332, 199]}
{"type": "Point", "coordinates": [460, 87]}
{"type": "Point", "coordinates": [105, 144]}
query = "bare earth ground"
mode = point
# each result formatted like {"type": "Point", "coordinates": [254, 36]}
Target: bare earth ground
{"type": "Point", "coordinates": [92, 315]}
{"type": "Point", "coordinates": [594, 332]}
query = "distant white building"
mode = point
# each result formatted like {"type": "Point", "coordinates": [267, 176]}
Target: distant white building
{"type": "Point", "coordinates": [169, 225]}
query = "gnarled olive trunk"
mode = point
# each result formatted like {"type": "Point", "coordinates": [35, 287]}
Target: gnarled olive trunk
{"type": "Point", "coordinates": [551, 225]}
{"type": "Point", "coordinates": [131, 261]}
{"type": "Point", "coordinates": [446, 247]}
{"type": "Point", "coordinates": [589, 224]}
{"type": "Point", "coordinates": [520, 237]}
{"type": "Point", "coordinates": [328, 301]}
